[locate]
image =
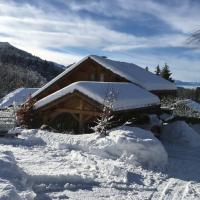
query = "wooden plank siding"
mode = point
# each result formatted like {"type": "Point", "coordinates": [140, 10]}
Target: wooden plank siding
{"type": "Point", "coordinates": [80, 107]}
{"type": "Point", "coordinates": [84, 111]}
{"type": "Point", "coordinates": [88, 70]}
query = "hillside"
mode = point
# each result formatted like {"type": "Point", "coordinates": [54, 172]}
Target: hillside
{"type": "Point", "coordinates": [21, 69]}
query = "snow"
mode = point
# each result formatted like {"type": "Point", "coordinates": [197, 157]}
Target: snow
{"type": "Point", "coordinates": [129, 96]}
{"type": "Point", "coordinates": [181, 133]}
{"type": "Point", "coordinates": [18, 96]}
{"type": "Point", "coordinates": [135, 145]}
{"type": "Point", "coordinates": [166, 117]}
{"type": "Point", "coordinates": [124, 165]}
{"type": "Point", "coordinates": [196, 127]}
{"type": "Point", "coordinates": [154, 120]}
{"type": "Point", "coordinates": [190, 104]}
{"type": "Point", "coordinates": [136, 74]}
{"type": "Point", "coordinates": [13, 181]}
{"type": "Point", "coordinates": [129, 71]}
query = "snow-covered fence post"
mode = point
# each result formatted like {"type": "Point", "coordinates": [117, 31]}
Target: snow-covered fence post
{"type": "Point", "coordinates": [104, 122]}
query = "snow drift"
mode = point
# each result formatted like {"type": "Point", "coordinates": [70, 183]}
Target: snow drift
{"type": "Point", "coordinates": [127, 144]}
{"type": "Point", "coordinates": [180, 132]}
{"type": "Point", "coordinates": [26, 138]}
{"type": "Point", "coordinates": [134, 145]}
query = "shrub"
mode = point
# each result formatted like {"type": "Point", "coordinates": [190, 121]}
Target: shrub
{"type": "Point", "coordinates": [25, 114]}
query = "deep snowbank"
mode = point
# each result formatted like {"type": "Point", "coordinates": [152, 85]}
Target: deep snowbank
{"type": "Point", "coordinates": [180, 132]}
{"type": "Point", "coordinates": [133, 145]}
{"type": "Point", "coordinates": [127, 144]}
{"type": "Point", "coordinates": [26, 138]}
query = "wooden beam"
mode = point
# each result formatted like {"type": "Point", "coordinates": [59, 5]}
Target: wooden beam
{"type": "Point", "coordinates": [87, 118]}
{"type": "Point", "coordinates": [65, 98]}
{"type": "Point", "coordinates": [77, 111]}
{"type": "Point", "coordinates": [74, 116]}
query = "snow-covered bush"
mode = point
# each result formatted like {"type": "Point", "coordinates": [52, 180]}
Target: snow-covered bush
{"type": "Point", "coordinates": [180, 132]}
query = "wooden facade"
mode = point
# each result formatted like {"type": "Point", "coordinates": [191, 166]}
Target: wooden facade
{"type": "Point", "coordinates": [88, 70]}
{"type": "Point", "coordinates": [79, 108]}
{"type": "Point", "coordinates": [77, 112]}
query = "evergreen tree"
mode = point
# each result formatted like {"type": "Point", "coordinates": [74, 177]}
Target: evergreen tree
{"type": "Point", "coordinates": [157, 71]}
{"type": "Point", "coordinates": [165, 73]}
{"type": "Point", "coordinates": [147, 68]}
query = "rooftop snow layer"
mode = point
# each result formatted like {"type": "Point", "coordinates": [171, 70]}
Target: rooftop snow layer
{"type": "Point", "coordinates": [18, 96]}
{"type": "Point", "coordinates": [129, 71]}
{"type": "Point", "coordinates": [136, 74]}
{"type": "Point", "coordinates": [129, 96]}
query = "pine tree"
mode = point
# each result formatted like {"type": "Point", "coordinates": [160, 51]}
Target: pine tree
{"type": "Point", "coordinates": [147, 68]}
{"type": "Point", "coordinates": [165, 73]}
{"type": "Point", "coordinates": [157, 71]}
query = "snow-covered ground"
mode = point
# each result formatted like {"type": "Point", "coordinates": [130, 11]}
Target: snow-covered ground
{"type": "Point", "coordinates": [128, 164]}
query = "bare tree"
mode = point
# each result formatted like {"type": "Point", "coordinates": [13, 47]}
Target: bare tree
{"type": "Point", "coordinates": [194, 38]}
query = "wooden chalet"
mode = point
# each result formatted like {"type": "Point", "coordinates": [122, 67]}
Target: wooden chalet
{"type": "Point", "coordinates": [77, 95]}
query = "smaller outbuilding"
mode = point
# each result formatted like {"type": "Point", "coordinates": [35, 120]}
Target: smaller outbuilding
{"type": "Point", "coordinates": [17, 97]}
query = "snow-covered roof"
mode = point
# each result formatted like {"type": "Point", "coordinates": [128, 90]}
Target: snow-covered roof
{"type": "Point", "coordinates": [18, 96]}
{"type": "Point", "coordinates": [129, 96]}
{"type": "Point", "coordinates": [129, 71]}
{"type": "Point", "coordinates": [136, 74]}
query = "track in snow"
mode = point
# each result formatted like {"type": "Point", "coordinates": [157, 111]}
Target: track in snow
{"type": "Point", "coordinates": [174, 189]}
{"type": "Point", "coordinates": [184, 175]}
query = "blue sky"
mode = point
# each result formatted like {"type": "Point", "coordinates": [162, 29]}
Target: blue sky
{"type": "Point", "coordinates": [144, 32]}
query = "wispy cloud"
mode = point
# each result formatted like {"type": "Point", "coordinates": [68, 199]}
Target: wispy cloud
{"type": "Point", "coordinates": [43, 26]}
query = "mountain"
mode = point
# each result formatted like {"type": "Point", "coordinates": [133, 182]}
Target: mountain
{"type": "Point", "coordinates": [19, 68]}
{"type": "Point", "coordinates": [187, 84]}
